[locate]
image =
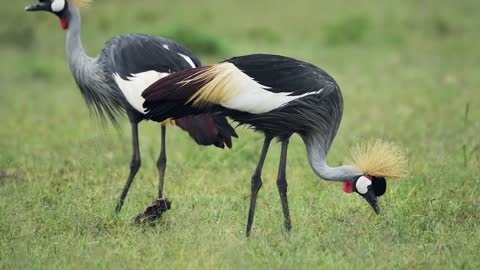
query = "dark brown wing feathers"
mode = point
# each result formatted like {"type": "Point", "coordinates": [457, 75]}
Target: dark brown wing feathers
{"type": "Point", "coordinates": [206, 129]}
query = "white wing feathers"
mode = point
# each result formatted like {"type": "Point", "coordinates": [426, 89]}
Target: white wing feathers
{"type": "Point", "coordinates": [133, 87]}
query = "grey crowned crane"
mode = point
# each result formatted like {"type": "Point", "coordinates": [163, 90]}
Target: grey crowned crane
{"type": "Point", "coordinates": [278, 96]}
{"type": "Point", "coordinates": [112, 83]}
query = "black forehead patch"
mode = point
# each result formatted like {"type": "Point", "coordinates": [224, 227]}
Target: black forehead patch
{"type": "Point", "coordinates": [379, 186]}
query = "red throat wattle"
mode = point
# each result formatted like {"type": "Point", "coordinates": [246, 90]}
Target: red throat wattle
{"type": "Point", "coordinates": [348, 187]}
{"type": "Point", "coordinates": [64, 23]}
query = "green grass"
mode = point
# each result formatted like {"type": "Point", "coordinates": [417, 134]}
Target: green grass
{"type": "Point", "coordinates": [407, 70]}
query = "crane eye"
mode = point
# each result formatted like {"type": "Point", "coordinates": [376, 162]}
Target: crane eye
{"type": "Point", "coordinates": [58, 5]}
{"type": "Point", "coordinates": [362, 185]}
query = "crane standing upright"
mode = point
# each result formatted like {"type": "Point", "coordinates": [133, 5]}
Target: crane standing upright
{"type": "Point", "coordinates": [112, 83]}
{"type": "Point", "coordinates": [278, 96]}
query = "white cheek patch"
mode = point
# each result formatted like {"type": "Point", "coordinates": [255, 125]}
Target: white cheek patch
{"type": "Point", "coordinates": [362, 184]}
{"type": "Point", "coordinates": [58, 5]}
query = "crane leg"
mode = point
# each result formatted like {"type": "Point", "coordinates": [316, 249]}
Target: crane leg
{"type": "Point", "coordinates": [134, 166]}
{"type": "Point", "coordinates": [282, 185]}
{"type": "Point", "coordinates": [162, 163]}
{"type": "Point", "coordinates": [257, 183]}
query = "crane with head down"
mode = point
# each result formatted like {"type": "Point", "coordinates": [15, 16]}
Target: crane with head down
{"type": "Point", "coordinates": [278, 96]}
{"type": "Point", "coordinates": [112, 82]}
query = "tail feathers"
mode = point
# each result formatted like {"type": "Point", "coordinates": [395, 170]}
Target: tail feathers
{"type": "Point", "coordinates": [208, 130]}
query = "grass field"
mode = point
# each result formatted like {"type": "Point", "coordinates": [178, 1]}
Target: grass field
{"type": "Point", "coordinates": [409, 73]}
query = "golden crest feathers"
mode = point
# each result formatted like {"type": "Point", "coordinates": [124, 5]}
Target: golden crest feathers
{"type": "Point", "coordinates": [82, 3]}
{"type": "Point", "coordinates": [380, 158]}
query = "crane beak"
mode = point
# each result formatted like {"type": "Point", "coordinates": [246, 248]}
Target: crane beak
{"type": "Point", "coordinates": [372, 199]}
{"type": "Point", "coordinates": [42, 6]}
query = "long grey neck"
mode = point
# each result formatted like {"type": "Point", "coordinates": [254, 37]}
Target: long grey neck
{"type": "Point", "coordinates": [100, 96]}
{"type": "Point", "coordinates": [77, 57]}
{"type": "Point", "coordinates": [317, 149]}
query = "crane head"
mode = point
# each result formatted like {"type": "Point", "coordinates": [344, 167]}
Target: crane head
{"type": "Point", "coordinates": [369, 187]}
{"type": "Point", "coordinates": [376, 160]}
{"type": "Point", "coordinates": [57, 7]}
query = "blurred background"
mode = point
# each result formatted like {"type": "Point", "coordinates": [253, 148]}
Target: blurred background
{"type": "Point", "coordinates": [409, 73]}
